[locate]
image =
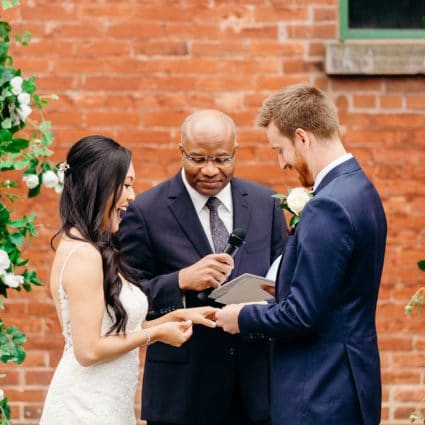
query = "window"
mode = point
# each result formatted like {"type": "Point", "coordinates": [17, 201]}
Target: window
{"type": "Point", "coordinates": [373, 19]}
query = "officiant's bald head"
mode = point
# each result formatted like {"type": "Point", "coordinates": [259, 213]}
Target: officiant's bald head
{"type": "Point", "coordinates": [207, 144]}
{"type": "Point", "coordinates": [209, 124]}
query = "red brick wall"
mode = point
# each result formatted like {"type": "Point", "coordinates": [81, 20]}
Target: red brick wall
{"type": "Point", "coordinates": [134, 69]}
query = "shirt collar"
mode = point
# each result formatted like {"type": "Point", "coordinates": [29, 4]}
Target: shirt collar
{"type": "Point", "coordinates": [199, 200]}
{"type": "Point", "coordinates": [330, 167]}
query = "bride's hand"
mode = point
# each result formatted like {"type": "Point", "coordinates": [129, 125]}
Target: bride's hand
{"type": "Point", "coordinates": [175, 333]}
{"type": "Point", "coordinates": [199, 315]}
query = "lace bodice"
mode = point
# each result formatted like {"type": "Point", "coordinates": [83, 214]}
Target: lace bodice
{"type": "Point", "coordinates": [102, 394]}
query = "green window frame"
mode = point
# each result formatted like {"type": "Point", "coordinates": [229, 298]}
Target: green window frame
{"type": "Point", "coordinates": [370, 33]}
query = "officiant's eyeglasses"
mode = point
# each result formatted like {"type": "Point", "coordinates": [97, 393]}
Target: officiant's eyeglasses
{"type": "Point", "coordinates": [218, 160]}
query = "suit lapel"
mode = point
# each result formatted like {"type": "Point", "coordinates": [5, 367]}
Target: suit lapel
{"type": "Point", "coordinates": [241, 214]}
{"type": "Point", "coordinates": [182, 208]}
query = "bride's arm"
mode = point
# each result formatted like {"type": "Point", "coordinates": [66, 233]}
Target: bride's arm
{"type": "Point", "coordinates": [83, 284]}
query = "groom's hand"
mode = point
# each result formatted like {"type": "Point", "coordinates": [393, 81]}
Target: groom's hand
{"type": "Point", "coordinates": [227, 318]}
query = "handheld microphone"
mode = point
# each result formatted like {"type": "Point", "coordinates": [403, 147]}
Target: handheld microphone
{"type": "Point", "coordinates": [236, 240]}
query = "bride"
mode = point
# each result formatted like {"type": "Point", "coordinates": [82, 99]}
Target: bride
{"type": "Point", "coordinates": [98, 298]}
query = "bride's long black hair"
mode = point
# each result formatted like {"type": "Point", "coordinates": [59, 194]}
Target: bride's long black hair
{"type": "Point", "coordinates": [97, 170]}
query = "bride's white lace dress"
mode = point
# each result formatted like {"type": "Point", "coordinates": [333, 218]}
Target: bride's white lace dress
{"type": "Point", "coordinates": [102, 394]}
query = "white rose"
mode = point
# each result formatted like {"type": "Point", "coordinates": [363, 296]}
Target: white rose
{"type": "Point", "coordinates": [23, 112]}
{"type": "Point", "coordinates": [59, 188]}
{"type": "Point", "coordinates": [1, 394]}
{"type": "Point", "coordinates": [13, 280]}
{"type": "Point", "coordinates": [31, 180]}
{"type": "Point", "coordinates": [50, 179]}
{"type": "Point", "coordinates": [16, 83]}
{"type": "Point", "coordinates": [4, 260]}
{"type": "Point", "coordinates": [297, 199]}
{"type": "Point", "coordinates": [24, 98]}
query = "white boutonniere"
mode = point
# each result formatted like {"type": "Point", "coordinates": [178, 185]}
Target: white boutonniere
{"type": "Point", "coordinates": [294, 202]}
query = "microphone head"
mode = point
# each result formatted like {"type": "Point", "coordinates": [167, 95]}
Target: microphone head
{"type": "Point", "coordinates": [237, 237]}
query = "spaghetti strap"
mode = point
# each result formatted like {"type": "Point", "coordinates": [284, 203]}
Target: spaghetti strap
{"type": "Point", "coordinates": [66, 262]}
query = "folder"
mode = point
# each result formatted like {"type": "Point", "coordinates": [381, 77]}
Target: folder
{"type": "Point", "coordinates": [243, 289]}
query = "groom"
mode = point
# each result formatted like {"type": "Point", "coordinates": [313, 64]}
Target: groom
{"type": "Point", "coordinates": [325, 359]}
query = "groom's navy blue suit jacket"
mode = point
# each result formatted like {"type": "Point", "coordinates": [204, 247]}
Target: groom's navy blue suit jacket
{"type": "Point", "coordinates": [325, 361]}
{"type": "Point", "coordinates": [160, 234]}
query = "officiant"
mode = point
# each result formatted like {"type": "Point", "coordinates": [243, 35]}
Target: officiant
{"type": "Point", "coordinates": [174, 235]}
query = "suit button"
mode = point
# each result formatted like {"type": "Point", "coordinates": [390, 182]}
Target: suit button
{"type": "Point", "coordinates": [232, 351]}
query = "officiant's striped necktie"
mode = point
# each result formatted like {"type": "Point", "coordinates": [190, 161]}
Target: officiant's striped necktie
{"type": "Point", "coordinates": [219, 232]}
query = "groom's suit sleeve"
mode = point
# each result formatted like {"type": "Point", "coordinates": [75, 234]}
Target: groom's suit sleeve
{"type": "Point", "coordinates": [162, 290]}
{"type": "Point", "coordinates": [322, 250]}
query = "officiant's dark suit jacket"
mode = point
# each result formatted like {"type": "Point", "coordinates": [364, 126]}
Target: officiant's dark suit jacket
{"type": "Point", "coordinates": [325, 361]}
{"type": "Point", "coordinates": [160, 234]}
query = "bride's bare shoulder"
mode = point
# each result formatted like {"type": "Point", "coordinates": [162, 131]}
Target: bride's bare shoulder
{"type": "Point", "coordinates": [75, 259]}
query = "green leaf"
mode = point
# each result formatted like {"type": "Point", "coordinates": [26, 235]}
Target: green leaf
{"type": "Point", "coordinates": [20, 355]}
{"type": "Point", "coordinates": [5, 73]}
{"type": "Point", "coordinates": [5, 135]}
{"type": "Point", "coordinates": [4, 29]}
{"type": "Point", "coordinates": [23, 39]}
{"type": "Point", "coordinates": [7, 165]}
{"type": "Point", "coordinates": [47, 135]}
{"type": "Point", "coordinates": [29, 85]}
{"type": "Point", "coordinates": [294, 220]}
{"type": "Point", "coordinates": [7, 4]}
{"type": "Point", "coordinates": [421, 265]}
{"type": "Point", "coordinates": [4, 214]}
{"type": "Point", "coordinates": [40, 103]}
{"type": "Point", "coordinates": [31, 276]}
{"type": "Point", "coordinates": [17, 238]}
{"type": "Point", "coordinates": [21, 164]}
{"type": "Point", "coordinates": [21, 143]}
{"type": "Point", "coordinates": [19, 338]}
{"type": "Point", "coordinates": [6, 123]}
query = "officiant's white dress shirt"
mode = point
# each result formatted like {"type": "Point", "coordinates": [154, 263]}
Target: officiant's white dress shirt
{"type": "Point", "coordinates": [225, 209]}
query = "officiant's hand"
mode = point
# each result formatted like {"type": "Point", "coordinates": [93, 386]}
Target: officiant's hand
{"type": "Point", "coordinates": [227, 318]}
{"type": "Point", "coordinates": [209, 272]}
{"type": "Point", "coordinates": [198, 315]}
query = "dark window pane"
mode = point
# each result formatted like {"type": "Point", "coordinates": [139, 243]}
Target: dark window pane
{"type": "Point", "coordinates": [386, 14]}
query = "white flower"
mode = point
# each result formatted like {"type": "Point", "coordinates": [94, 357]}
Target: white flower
{"type": "Point", "coordinates": [16, 83]}
{"type": "Point", "coordinates": [31, 180]}
{"type": "Point", "coordinates": [23, 112]}
{"type": "Point", "coordinates": [58, 188]}
{"type": "Point", "coordinates": [24, 98]}
{"type": "Point", "coordinates": [4, 260]}
{"type": "Point", "coordinates": [61, 176]}
{"type": "Point", "coordinates": [13, 280]}
{"type": "Point", "coordinates": [297, 199]}
{"type": "Point", "coordinates": [1, 394]}
{"type": "Point", "coordinates": [50, 179]}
